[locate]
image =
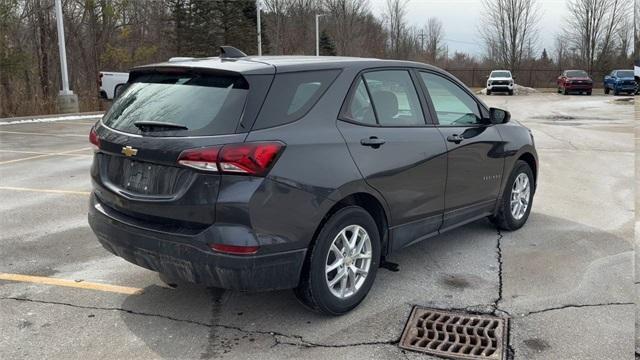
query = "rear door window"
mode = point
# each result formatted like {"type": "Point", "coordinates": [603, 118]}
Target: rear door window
{"type": "Point", "coordinates": [395, 99]}
{"type": "Point", "coordinates": [292, 95]}
{"type": "Point", "coordinates": [359, 108]}
{"type": "Point", "coordinates": [205, 104]}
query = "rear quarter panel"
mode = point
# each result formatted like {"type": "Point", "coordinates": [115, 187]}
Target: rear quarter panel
{"type": "Point", "coordinates": [313, 173]}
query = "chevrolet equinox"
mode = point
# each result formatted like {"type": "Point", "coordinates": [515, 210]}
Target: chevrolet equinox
{"type": "Point", "coordinates": [292, 172]}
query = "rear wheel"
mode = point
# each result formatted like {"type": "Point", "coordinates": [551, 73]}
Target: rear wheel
{"type": "Point", "coordinates": [517, 198]}
{"type": "Point", "coordinates": [343, 263]}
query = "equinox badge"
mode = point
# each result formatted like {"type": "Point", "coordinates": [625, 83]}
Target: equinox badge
{"type": "Point", "coordinates": [129, 151]}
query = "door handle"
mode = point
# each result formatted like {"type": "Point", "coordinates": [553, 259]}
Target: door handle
{"type": "Point", "coordinates": [455, 138]}
{"type": "Point", "coordinates": [372, 141]}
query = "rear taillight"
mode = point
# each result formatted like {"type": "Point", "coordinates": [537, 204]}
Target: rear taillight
{"type": "Point", "coordinates": [202, 159]}
{"type": "Point", "coordinates": [234, 249]}
{"type": "Point", "coordinates": [93, 138]}
{"type": "Point", "coordinates": [246, 158]}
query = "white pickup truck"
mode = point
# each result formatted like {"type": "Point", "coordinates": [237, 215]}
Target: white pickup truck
{"type": "Point", "coordinates": [110, 84]}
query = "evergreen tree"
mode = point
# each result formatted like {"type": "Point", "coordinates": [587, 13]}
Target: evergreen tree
{"type": "Point", "coordinates": [327, 46]}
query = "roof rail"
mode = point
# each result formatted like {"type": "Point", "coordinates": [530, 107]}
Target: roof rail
{"type": "Point", "coordinates": [229, 52]}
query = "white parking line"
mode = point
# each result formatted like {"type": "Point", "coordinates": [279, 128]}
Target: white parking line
{"type": "Point", "coordinates": [52, 119]}
{"type": "Point", "coordinates": [42, 134]}
{"type": "Point", "coordinates": [43, 155]}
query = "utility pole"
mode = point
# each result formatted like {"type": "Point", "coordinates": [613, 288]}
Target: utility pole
{"type": "Point", "coordinates": [318, 34]}
{"type": "Point", "coordinates": [259, 29]}
{"type": "Point", "coordinates": [67, 100]}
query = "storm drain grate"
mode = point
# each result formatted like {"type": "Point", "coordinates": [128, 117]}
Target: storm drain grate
{"type": "Point", "coordinates": [455, 335]}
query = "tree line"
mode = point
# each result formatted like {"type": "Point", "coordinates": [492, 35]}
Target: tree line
{"type": "Point", "coordinates": [115, 35]}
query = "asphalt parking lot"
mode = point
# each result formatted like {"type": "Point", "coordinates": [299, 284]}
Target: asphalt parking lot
{"type": "Point", "coordinates": [565, 279]}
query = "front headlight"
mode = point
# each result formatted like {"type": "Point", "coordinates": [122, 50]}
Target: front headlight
{"type": "Point", "coordinates": [489, 83]}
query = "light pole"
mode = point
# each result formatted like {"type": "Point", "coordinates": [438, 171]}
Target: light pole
{"type": "Point", "coordinates": [318, 34]}
{"type": "Point", "coordinates": [67, 100]}
{"type": "Point", "coordinates": [259, 29]}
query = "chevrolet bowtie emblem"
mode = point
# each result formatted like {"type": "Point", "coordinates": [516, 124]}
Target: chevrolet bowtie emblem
{"type": "Point", "coordinates": [129, 151]}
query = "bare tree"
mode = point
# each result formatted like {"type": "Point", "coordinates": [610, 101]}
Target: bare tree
{"type": "Point", "coordinates": [347, 31]}
{"type": "Point", "coordinates": [432, 39]}
{"type": "Point", "coordinates": [509, 30]}
{"type": "Point", "coordinates": [396, 11]}
{"type": "Point", "coordinates": [592, 27]}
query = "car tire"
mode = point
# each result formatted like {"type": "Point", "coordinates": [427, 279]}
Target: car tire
{"type": "Point", "coordinates": [606, 90]}
{"type": "Point", "coordinates": [565, 92]}
{"type": "Point", "coordinates": [488, 92]}
{"type": "Point", "coordinates": [588, 93]}
{"type": "Point", "coordinates": [505, 219]}
{"type": "Point", "coordinates": [314, 289]}
{"type": "Point", "coordinates": [510, 92]}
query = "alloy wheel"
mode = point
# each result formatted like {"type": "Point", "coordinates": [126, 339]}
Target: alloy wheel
{"type": "Point", "coordinates": [520, 196]}
{"type": "Point", "coordinates": [348, 261]}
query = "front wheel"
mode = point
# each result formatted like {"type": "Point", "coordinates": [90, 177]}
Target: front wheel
{"type": "Point", "coordinates": [606, 90]}
{"type": "Point", "coordinates": [343, 263]}
{"type": "Point", "coordinates": [517, 198]}
{"type": "Point", "coordinates": [488, 92]}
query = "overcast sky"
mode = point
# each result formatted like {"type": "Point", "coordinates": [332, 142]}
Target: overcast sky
{"type": "Point", "coordinates": [461, 20]}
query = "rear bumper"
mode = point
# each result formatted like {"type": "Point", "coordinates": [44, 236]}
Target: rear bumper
{"type": "Point", "coordinates": [186, 255]}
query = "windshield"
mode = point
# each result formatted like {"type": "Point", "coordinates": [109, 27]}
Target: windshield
{"type": "Point", "coordinates": [204, 104]}
{"type": "Point", "coordinates": [500, 74]}
{"type": "Point", "coordinates": [625, 73]}
{"type": "Point", "coordinates": [577, 73]}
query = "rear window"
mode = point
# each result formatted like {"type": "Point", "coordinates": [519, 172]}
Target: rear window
{"type": "Point", "coordinates": [577, 73]}
{"type": "Point", "coordinates": [292, 95]}
{"type": "Point", "coordinates": [205, 104]}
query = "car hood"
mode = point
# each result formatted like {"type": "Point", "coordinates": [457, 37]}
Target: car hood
{"type": "Point", "coordinates": [500, 78]}
{"type": "Point", "coordinates": [579, 78]}
{"type": "Point", "coordinates": [625, 78]}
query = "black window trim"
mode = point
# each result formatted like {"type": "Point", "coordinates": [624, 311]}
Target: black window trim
{"type": "Point", "coordinates": [484, 112]}
{"type": "Point", "coordinates": [426, 111]}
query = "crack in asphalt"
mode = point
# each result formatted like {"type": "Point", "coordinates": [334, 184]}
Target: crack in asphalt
{"type": "Point", "coordinates": [497, 301]}
{"type": "Point", "coordinates": [298, 340]}
{"type": "Point", "coordinates": [575, 306]}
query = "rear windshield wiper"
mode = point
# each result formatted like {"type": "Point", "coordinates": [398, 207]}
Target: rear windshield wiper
{"type": "Point", "coordinates": [158, 126]}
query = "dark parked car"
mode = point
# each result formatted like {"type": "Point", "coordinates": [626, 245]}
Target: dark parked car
{"type": "Point", "coordinates": [260, 173]}
{"type": "Point", "coordinates": [620, 81]}
{"type": "Point", "coordinates": [575, 81]}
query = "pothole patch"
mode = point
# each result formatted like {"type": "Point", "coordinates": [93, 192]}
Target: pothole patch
{"type": "Point", "coordinates": [455, 335]}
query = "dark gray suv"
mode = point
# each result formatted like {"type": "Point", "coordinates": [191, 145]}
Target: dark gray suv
{"type": "Point", "coordinates": [260, 173]}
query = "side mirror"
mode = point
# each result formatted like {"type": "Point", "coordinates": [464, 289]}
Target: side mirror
{"type": "Point", "coordinates": [513, 77]}
{"type": "Point", "coordinates": [499, 116]}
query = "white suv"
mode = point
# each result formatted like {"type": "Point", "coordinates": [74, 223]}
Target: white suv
{"type": "Point", "coordinates": [500, 81]}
